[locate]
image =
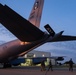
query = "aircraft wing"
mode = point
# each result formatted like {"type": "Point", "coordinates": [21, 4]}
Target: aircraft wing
{"type": "Point", "coordinates": [20, 27]}
{"type": "Point", "coordinates": [64, 38]}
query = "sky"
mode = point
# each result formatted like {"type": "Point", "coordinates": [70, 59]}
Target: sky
{"type": "Point", "coordinates": [60, 14]}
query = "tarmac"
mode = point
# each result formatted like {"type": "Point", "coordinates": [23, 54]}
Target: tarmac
{"type": "Point", "coordinates": [35, 71]}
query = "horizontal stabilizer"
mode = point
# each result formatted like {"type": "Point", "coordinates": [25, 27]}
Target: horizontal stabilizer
{"type": "Point", "coordinates": [20, 27]}
{"type": "Point", "coordinates": [64, 38]}
{"type": "Point", "coordinates": [50, 30]}
{"type": "Point", "coordinates": [67, 38]}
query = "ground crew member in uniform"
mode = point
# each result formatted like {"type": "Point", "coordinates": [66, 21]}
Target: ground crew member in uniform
{"type": "Point", "coordinates": [43, 66]}
{"type": "Point", "coordinates": [71, 65]}
{"type": "Point", "coordinates": [50, 66]}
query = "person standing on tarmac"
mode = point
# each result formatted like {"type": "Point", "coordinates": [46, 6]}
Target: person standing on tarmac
{"type": "Point", "coordinates": [71, 65]}
{"type": "Point", "coordinates": [43, 66]}
{"type": "Point", "coordinates": [50, 66]}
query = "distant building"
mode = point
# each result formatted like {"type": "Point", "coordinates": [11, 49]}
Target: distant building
{"type": "Point", "coordinates": [35, 53]}
{"type": "Point", "coordinates": [34, 57]}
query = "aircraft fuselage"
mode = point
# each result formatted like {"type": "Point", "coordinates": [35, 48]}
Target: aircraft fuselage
{"type": "Point", "coordinates": [14, 48]}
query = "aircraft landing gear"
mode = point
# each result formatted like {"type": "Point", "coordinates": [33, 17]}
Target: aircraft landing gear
{"type": "Point", "coordinates": [7, 65]}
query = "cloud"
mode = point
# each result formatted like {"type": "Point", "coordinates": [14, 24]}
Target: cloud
{"type": "Point", "coordinates": [6, 35]}
{"type": "Point", "coordinates": [67, 49]}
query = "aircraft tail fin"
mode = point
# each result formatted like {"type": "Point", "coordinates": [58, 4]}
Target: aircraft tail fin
{"type": "Point", "coordinates": [35, 15]}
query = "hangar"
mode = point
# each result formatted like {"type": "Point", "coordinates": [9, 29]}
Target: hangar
{"type": "Point", "coordinates": [35, 57]}
{"type": "Point", "coordinates": [36, 53]}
